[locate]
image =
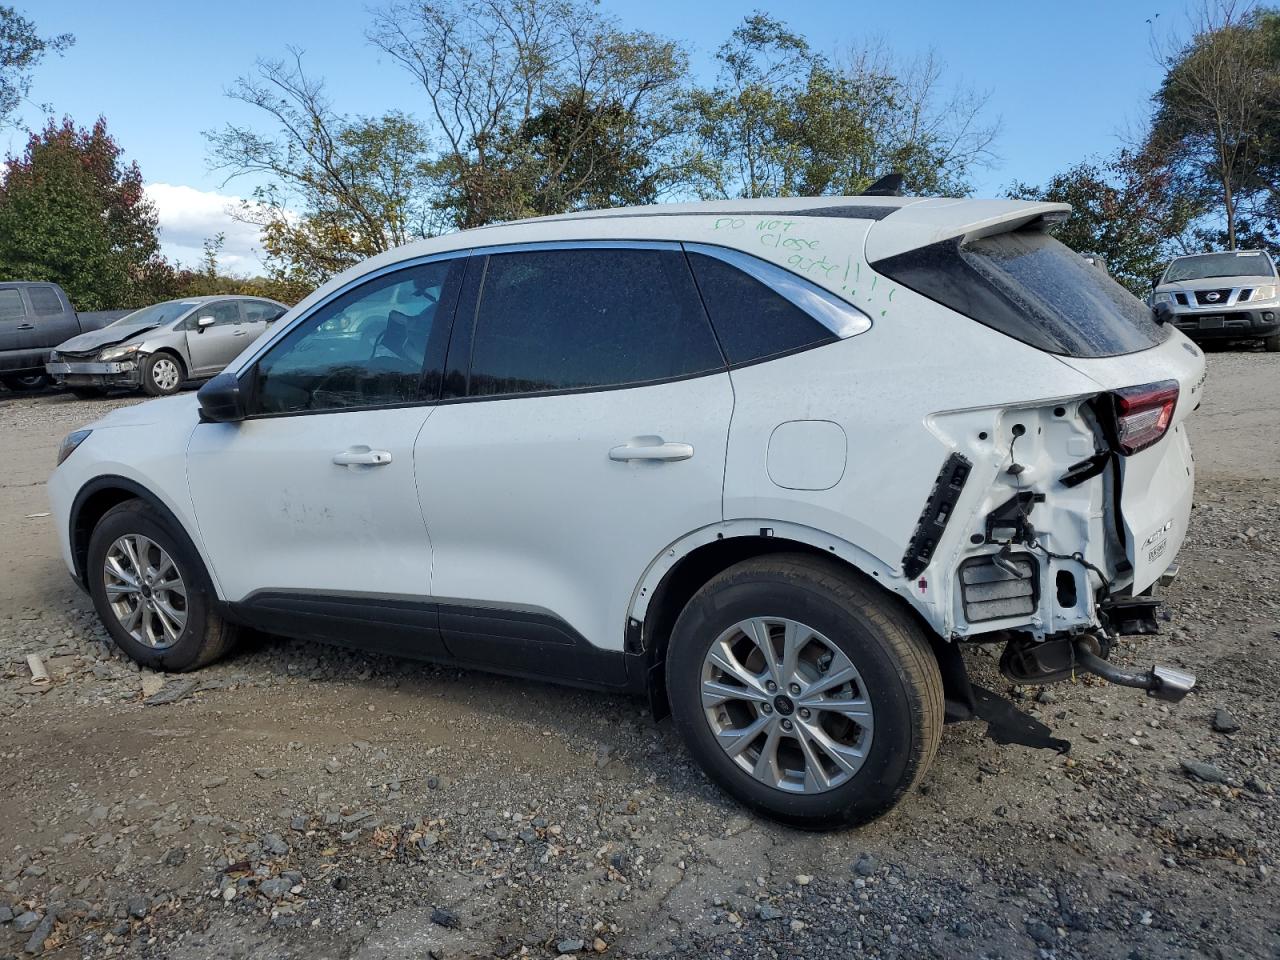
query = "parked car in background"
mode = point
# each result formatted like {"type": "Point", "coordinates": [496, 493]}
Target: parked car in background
{"type": "Point", "coordinates": [1228, 295]}
{"type": "Point", "coordinates": [158, 348]}
{"type": "Point", "coordinates": [769, 462]}
{"type": "Point", "coordinates": [34, 317]}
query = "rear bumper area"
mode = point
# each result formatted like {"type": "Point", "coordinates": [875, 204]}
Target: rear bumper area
{"type": "Point", "coordinates": [1228, 324]}
{"type": "Point", "coordinates": [93, 374]}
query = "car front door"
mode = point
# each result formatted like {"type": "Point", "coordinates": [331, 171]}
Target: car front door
{"type": "Point", "coordinates": [212, 345]}
{"type": "Point", "coordinates": [309, 508]}
{"type": "Point", "coordinates": [582, 431]}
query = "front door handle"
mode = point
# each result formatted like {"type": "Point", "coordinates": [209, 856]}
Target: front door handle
{"type": "Point", "coordinates": [651, 448]}
{"type": "Point", "coordinates": [26, 326]}
{"type": "Point", "coordinates": [362, 457]}
{"type": "Point", "coordinates": [241, 333]}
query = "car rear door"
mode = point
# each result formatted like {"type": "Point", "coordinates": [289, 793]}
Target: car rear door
{"type": "Point", "coordinates": [54, 320]}
{"type": "Point", "coordinates": [583, 430]}
{"type": "Point", "coordinates": [308, 508]}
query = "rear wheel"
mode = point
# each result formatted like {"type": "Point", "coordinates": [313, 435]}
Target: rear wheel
{"type": "Point", "coordinates": [152, 592]}
{"type": "Point", "coordinates": [24, 383]}
{"type": "Point", "coordinates": [1272, 343]}
{"type": "Point", "coordinates": [805, 693]}
{"type": "Point", "coordinates": [162, 374]}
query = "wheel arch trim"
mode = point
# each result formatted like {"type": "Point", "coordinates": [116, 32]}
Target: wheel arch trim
{"type": "Point", "coordinates": [876, 569]}
{"type": "Point", "coordinates": [79, 537]}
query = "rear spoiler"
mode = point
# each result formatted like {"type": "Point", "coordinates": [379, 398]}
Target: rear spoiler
{"type": "Point", "coordinates": [934, 220]}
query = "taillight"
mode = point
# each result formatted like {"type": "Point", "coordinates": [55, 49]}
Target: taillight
{"type": "Point", "coordinates": [1144, 413]}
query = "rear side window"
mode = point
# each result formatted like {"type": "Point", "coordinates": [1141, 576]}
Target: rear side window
{"type": "Point", "coordinates": [44, 300]}
{"type": "Point", "coordinates": [1033, 288]}
{"type": "Point", "coordinates": [752, 321]}
{"type": "Point", "coordinates": [11, 307]}
{"type": "Point", "coordinates": [551, 320]}
{"type": "Point", "coordinates": [258, 311]}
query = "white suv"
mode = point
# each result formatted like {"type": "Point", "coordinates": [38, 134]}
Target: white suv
{"type": "Point", "coordinates": [769, 462]}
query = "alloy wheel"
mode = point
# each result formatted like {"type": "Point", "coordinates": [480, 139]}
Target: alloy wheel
{"type": "Point", "coordinates": [146, 591]}
{"type": "Point", "coordinates": [786, 705]}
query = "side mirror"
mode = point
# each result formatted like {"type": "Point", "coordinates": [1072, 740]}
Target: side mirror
{"type": "Point", "coordinates": [202, 323]}
{"type": "Point", "coordinates": [221, 400]}
{"type": "Point", "coordinates": [1163, 312]}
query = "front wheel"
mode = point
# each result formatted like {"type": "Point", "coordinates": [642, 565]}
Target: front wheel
{"type": "Point", "coordinates": [25, 383]}
{"type": "Point", "coordinates": [807, 694]}
{"type": "Point", "coordinates": [151, 591]}
{"type": "Point", "coordinates": [162, 374]}
{"type": "Point", "coordinates": [1272, 343]}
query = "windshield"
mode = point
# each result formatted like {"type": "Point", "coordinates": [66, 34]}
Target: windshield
{"type": "Point", "coordinates": [155, 314]}
{"type": "Point", "coordinates": [1029, 286]}
{"type": "Point", "coordinates": [1239, 263]}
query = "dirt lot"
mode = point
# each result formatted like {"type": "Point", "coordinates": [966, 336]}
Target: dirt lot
{"type": "Point", "coordinates": [300, 801]}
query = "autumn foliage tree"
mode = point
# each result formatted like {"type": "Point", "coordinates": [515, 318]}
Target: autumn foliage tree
{"type": "Point", "coordinates": [74, 212]}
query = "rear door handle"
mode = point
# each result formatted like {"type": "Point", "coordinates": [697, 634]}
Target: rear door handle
{"type": "Point", "coordinates": [651, 448]}
{"type": "Point", "coordinates": [26, 326]}
{"type": "Point", "coordinates": [362, 457]}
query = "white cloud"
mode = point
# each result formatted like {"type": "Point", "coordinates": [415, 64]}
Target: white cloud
{"type": "Point", "coordinates": [189, 216]}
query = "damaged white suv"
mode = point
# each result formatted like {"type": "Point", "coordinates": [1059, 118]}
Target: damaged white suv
{"type": "Point", "coordinates": [769, 462]}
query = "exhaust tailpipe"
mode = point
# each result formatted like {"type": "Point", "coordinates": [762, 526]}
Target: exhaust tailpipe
{"type": "Point", "coordinates": [1164, 683]}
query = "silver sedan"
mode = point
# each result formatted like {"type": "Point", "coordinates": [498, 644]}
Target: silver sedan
{"type": "Point", "coordinates": [158, 348]}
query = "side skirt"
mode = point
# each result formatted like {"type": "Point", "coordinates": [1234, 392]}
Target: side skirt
{"type": "Point", "coordinates": [530, 643]}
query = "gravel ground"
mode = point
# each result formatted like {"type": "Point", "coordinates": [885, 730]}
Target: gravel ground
{"type": "Point", "coordinates": [302, 801]}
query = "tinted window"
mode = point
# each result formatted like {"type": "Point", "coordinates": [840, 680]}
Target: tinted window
{"type": "Point", "coordinates": [751, 320]}
{"type": "Point", "coordinates": [11, 307]}
{"type": "Point", "coordinates": [258, 311]}
{"type": "Point", "coordinates": [571, 319]}
{"type": "Point", "coordinates": [44, 300]}
{"type": "Point", "coordinates": [366, 348]}
{"type": "Point", "coordinates": [1028, 285]}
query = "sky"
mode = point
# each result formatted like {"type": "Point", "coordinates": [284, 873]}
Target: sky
{"type": "Point", "coordinates": [1067, 81]}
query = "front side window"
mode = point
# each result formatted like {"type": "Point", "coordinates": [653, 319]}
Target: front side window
{"type": "Point", "coordinates": [552, 320]}
{"type": "Point", "coordinates": [226, 312]}
{"type": "Point", "coordinates": [367, 347]}
{"type": "Point", "coordinates": [1030, 287]}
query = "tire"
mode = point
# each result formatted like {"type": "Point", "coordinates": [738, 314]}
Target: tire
{"type": "Point", "coordinates": [26, 383]}
{"type": "Point", "coordinates": [896, 672]}
{"type": "Point", "coordinates": [1272, 343]}
{"type": "Point", "coordinates": [162, 374]}
{"type": "Point", "coordinates": [87, 393]}
{"type": "Point", "coordinates": [204, 635]}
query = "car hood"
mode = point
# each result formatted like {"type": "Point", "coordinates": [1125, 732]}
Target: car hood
{"type": "Point", "coordinates": [179, 406]}
{"type": "Point", "coordinates": [97, 339]}
{"type": "Point", "coordinates": [1215, 283]}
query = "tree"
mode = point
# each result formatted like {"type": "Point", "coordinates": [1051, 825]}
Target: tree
{"type": "Point", "coordinates": [21, 50]}
{"type": "Point", "coordinates": [784, 120]}
{"type": "Point", "coordinates": [1124, 211]}
{"type": "Point", "coordinates": [542, 105]}
{"type": "Point", "coordinates": [1215, 112]}
{"type": "Point", "coordinates": [341, 189]}
{"type": "Point", "coordinates": [73, 212]}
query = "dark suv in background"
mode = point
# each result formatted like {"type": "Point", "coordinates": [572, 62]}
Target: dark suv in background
{"type": "Point", "coordinates": [35, 318]}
